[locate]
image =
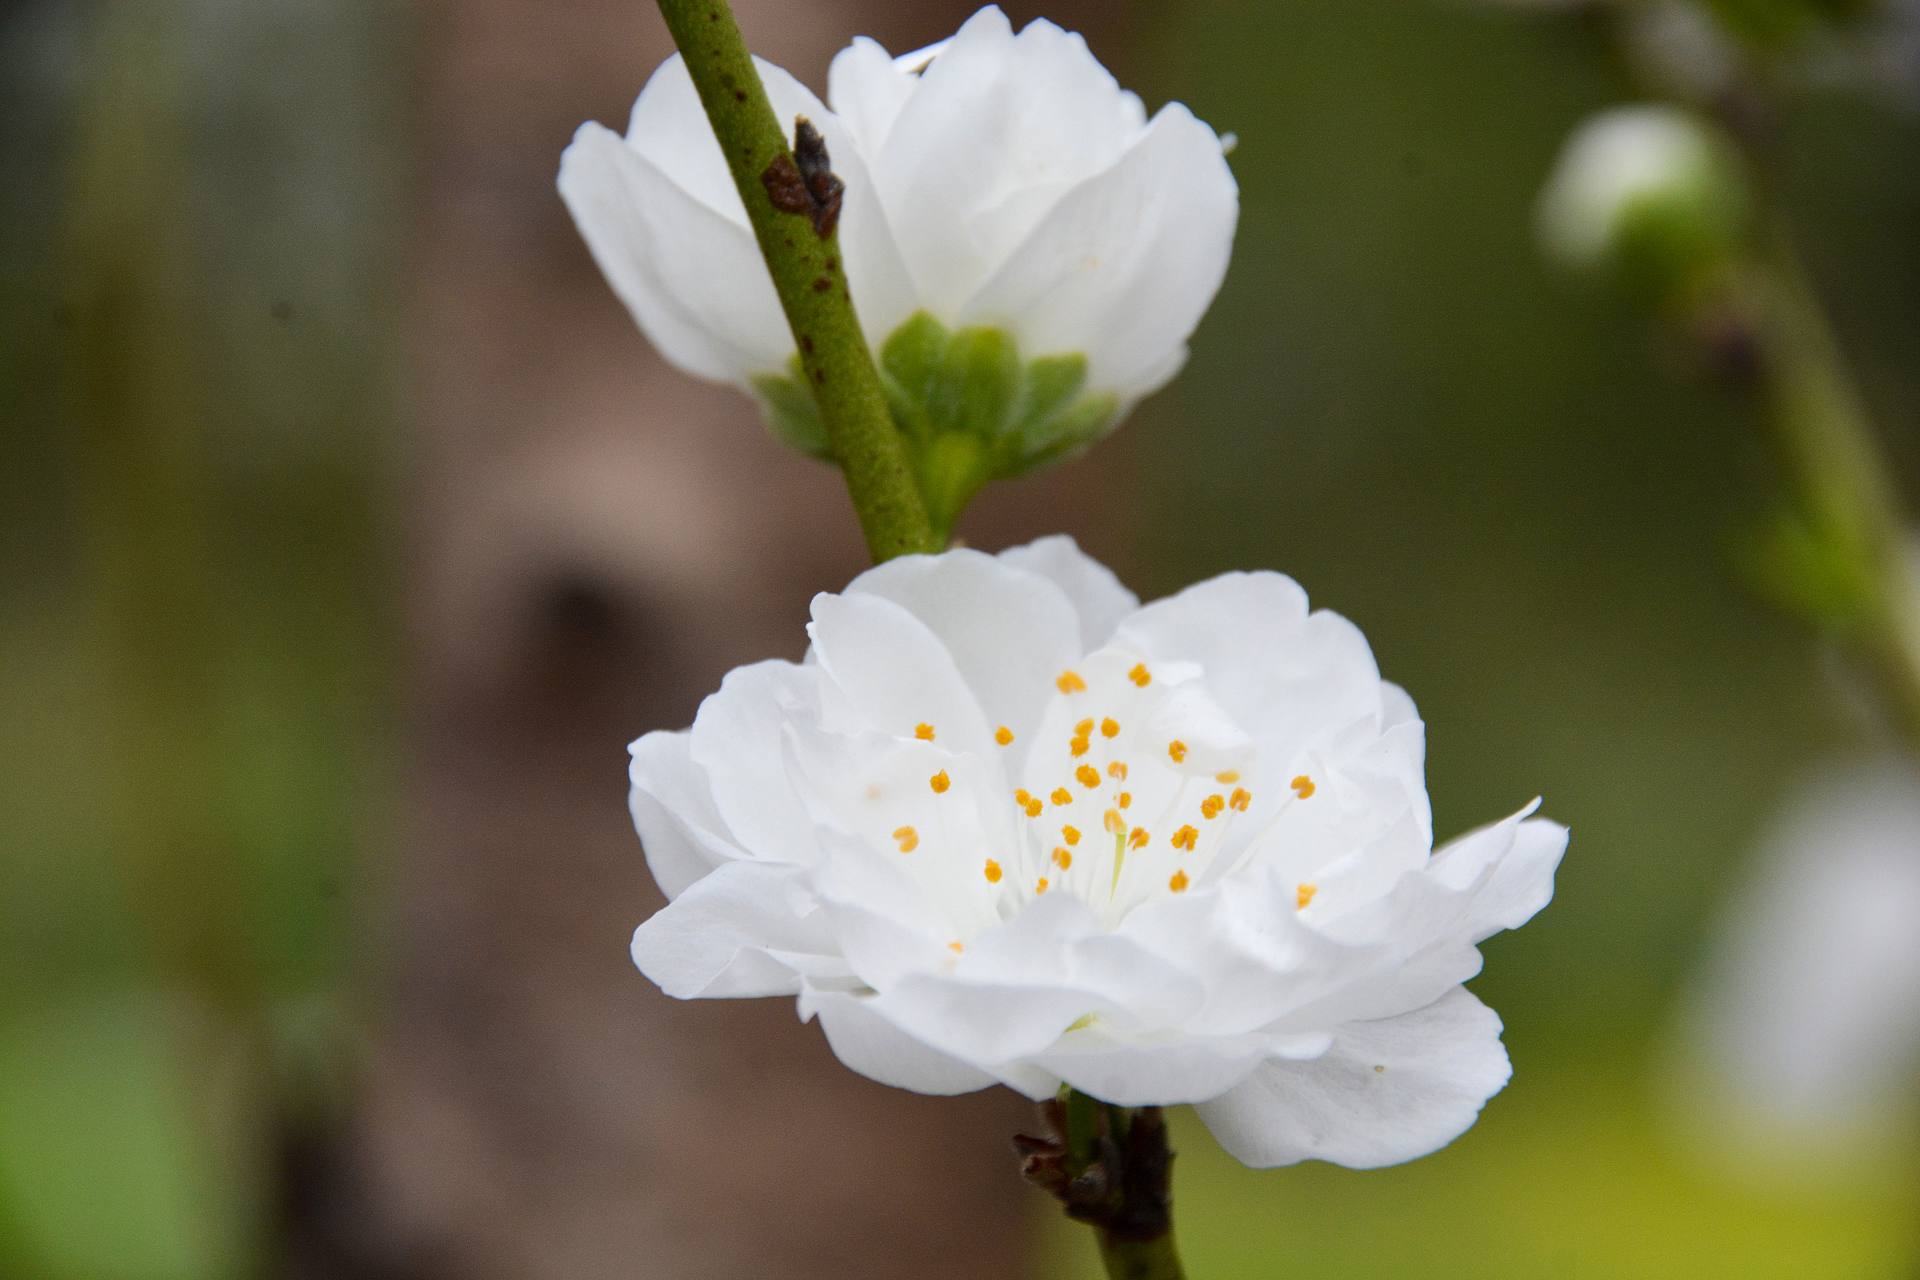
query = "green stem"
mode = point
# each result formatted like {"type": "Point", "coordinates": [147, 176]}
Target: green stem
{"type": "Point", "coordinates": [1843, 476]}
{"type": "Point", "coordinates": [1118, 1171]}
{"type": "Point", "coordinates": [803, 256]}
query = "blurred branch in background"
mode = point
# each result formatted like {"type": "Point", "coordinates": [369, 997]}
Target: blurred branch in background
{"type": "Point", "coordinates": [195, 713]}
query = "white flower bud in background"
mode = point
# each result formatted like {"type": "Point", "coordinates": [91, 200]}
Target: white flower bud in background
{"type": "Point", "coordinates": [1801, 1043]}
{"type": "Point", "coordinates": [1038, 245]}
{"type": "Point", "coordinates": [1650, 193]}
{"type": "Point", "coordinates": [1006, 825]}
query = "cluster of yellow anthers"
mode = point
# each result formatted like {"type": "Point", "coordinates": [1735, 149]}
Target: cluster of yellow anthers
{"type": "Point", "coordinates": [1127, 836]}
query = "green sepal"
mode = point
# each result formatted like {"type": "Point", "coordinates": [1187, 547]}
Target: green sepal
{"type": "Point", "coordinates": [968, 407]}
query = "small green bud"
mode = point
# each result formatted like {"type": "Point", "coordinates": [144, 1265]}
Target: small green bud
{"type": "Point", "coordinates": [1651, 195]}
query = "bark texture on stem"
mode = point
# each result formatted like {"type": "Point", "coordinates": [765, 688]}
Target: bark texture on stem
{"type": "Point", "coordinates": [793, 204]}
{"type": "Point", "coordinates": [1112, 1169]}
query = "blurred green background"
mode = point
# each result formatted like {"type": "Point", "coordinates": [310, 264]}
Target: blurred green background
{"type": "Point", "coordinates": [288, 299]}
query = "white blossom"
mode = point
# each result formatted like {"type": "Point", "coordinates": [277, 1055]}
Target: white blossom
{"type": "Point", "coordinates": [995, 180]}
{"type": "Point", "coordinates": [1802, 1036]}
{"type": "Point", "coordinates": [1006, 825]}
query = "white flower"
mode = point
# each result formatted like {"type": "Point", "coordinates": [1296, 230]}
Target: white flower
{"type": "Point", "coordinates": [1004, 824]}
{"type": "Point", "coordinates": [1803, 1035]}
{"type": "Point", "coordinates": [995, 180]}
{"type": "Point", "coordinates": [1650, 182]}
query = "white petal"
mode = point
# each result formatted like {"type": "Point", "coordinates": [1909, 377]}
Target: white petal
{"type": "Point", "coordinates": [1508, 869]}
{"type": "Point", "coordinates": [1386, 1092]}
{"type": "Point", "coordinates": [736, 738]}
{"type": "Point", "coordinates": [1167, 1073]}
{"type": "Point", "coordinates": [670, 797]}
{"type": "Point", "coordinates": [1099, 597]}
{"type": "Point", "coordinates": [877, 1049]}
{"type": "Point", "coordinates": [895, 673]}
{"type": "Point", "coordinates": [997, 128]}
{"type": "Point", "coordinates": [970, 601]}
{"type": "Point", "coordinates": [1126, 263]}
{"type": "Point", "coordinates": [1289, 677]}
{"type": "Point", "coordinates": [867, 90]}
{"type": "Point", "coordinates": [692, 277]}
{"type": "Point", "coordinates": [735, 933]}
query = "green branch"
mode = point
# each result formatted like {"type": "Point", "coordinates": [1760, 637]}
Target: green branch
{"type": "Point", "coordinates": [793, 205]}
{"type": "Point", "coordinates": [1111, 1168]}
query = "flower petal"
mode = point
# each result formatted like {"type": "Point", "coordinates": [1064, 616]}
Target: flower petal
{"type": "Point", "coordinates": [879, 1050]}
{"type": "Point", "coordinates": [966, 599]}
{"type": "Point", "coordinates": [1386, 1092]}
{"type": "Point", "coordinates": [895, 672]}
{"type": "Point", "coordinates": [1126, 263]}
{"type": "Point", "coordinates": [736, 738]}
{"type": "Point", "coordinates": [671, 799]}
{"type": "Point", "coordinates": [1097, 595]}
{"type": "Point", "coordinates": [745, 930]}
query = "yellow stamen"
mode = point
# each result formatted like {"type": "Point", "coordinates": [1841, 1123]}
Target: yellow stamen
{"type": "Point", "coordinates": [1179, 882]}
{"type": "Point", "coordinates": [1079, 746]}
{"type": "Point", "coordinates": [909, 838]}
{"type": "Point", "coordinates": [1210, 807]}
{"type": "Point", "coordinates": [1139, 838]}
{"type": "Point", "coordinates": [1084, 729]}
{"type": "Point", "coordinates": [1070, 834]}
{"type": "Point", "coordinates": [1063, 858]}
{"type": "Point", "coordinates": [1022, 797]}
{"type": "Point", "coordinates": [1088, 775]}
{"type": "Point", "coordinates": [1124, 799]}
{"type": "Point", "coordinates": [1061, 796]}
{"type": "Point", "coordinates": [1115, 824]}
{"type": "Point", "coordinates": [1303, 786]}
{"type": "Point", "coordinates": [1140, 675]}
{"type": "Point", "coordinates": [1070, 682]}
{"type": "Point", "coordinates": [1033, 807]}
{"type": "Point", "coordinates": [1118, 769]}
{"type": "Point", "coordinates": [1040, 886]}
{"type": "Point", "coordinates": [924, 732]}
{"type": "Point", "coordinates": [1178, 750]}
{"type": "Point", "coordinates": [1185, 838]}
{"type": "Point", "coordinates": [993, 871]}
{"type": "Point", "coordinates": [956, 947]}
{"type": "Point", "coordinates": [940, 782]}
{"type": "Point", "coordinates": [1229, 777]}
{"type": "Point", "coordinates": [1003, 736]}
{"type": "Point", "coordinates": [1303, 895]}
{"type": "Point", "coordinates": [1109, 728]}
{"type": "Point", "coordinates": [1240, 799]}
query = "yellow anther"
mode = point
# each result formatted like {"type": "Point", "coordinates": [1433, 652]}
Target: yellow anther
{"type": "Point", "coordinates": [1070, 834]}
{"type": "Point", "coordinates": [956, 946]}
{"type": "Point", "coordinates": [1087, 775]}
{"type": "Point", "coordinates": [940, 782]}
{"type": "Point", "coordinates": [1139, 838]}
{"type": "Point", "coordinates": [993, 871]}
{"type": "Point", "coordinates": [1240, 799]}
{"type": "Point", "coordinates": [1079, 746]}
{"type": "Point", "coordinates": [1124, 799]}
{"type": "Point", "coordinates": [1115, 824]}
{"type": "Point", "coordinates": [1084, 729]}
{"type": "Point", "coordinates": [1303, 786]}
{"type": "Point", "coordinates": [1061, 796]}
{"type": "Point", "coordinates": [909, 838]}
{"type": "Point", "coordinates": [1063, 858]}
{"type": "Point", "coordinates": [1229, 777]}
{"type": "Point", "coordinates": [1210, 807]}
{"type": "Point", "coordinates": [1178, 750]}
{"type": "Point", "coordinates": [1003, 736]}
{"type": "Point", "coordinates": [1109, 728]}
{"type": "Point", "coordinates": [1140, 675]}
{"type": "Point", "coordinates": [1179, 882]}
{"type": "Point", "coordinates": [1023, 797]}
{"type": "Point", "coordinates": [1033, 807]}
{"type": "Point", "coordinates": [1303, 895]}
{"type": "Point", "coordinates": [1185, 838]}
{"type": "Point", "coordinates": [924, 732]}
{"type": "Point", "coordinates": [1040, 885]}
{"type": "Point", "coordinates": [1118, 769]}
{"type": "Point", "coordinates": [1070, 682]}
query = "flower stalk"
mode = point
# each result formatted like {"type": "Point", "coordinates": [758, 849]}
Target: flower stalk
{"type": "Point", "coordinates": [793, 207]}
{"type": "Point", "coordinates": [1112, 1169]}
